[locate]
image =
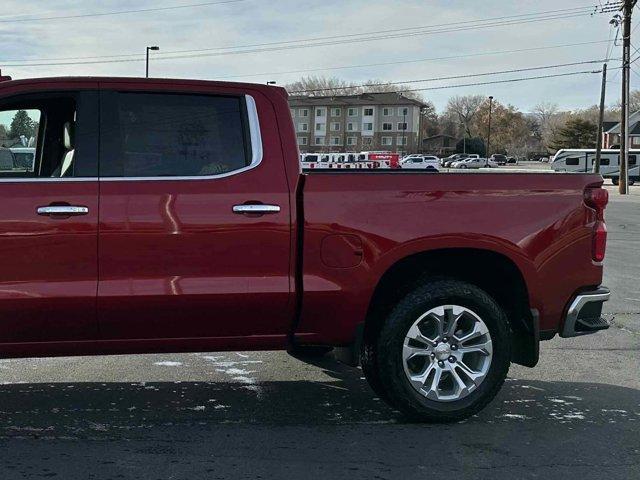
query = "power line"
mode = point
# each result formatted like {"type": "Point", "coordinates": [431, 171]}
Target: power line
{"type": "Point", "coordinates": [404, 82]}
{"type": "Point", "coordinates": [511, 80]}
{"type": "Point", "coordinates": [17, 19]}
{"type": "Point", "coordinates": [431, 59]}
{"type": "Point", "coordinates": [317, 41]}
{"type": "Point", "coordinates": [399, 62]}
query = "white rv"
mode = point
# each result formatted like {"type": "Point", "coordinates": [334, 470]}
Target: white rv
{"type": "Point", "coordinates": [583, 160]}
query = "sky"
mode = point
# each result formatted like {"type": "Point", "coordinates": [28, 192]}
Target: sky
{"type": "Point", "coordinates": [249, 22]}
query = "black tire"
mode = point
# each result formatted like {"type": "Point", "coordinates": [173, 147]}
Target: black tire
{"type": "Point", "coordinates": [369, 363]}
{"type": "Point", "coordinates": [309, 351]}
{"type": "Point", "coordinates": [615, 180]}
{"type": "Point", "coordinates": [632, 182]}
{"type": "Point", "coordinates": [391, 379]}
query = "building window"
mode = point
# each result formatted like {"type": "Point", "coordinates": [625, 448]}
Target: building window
{"type": "Point", "coordinates": [303, 140]}
{"type": "Point", "coordinates": [387, 127]}
{"type": "Point", "coordinates": [402, 126]}
{"type": "Point", "coordinates": [320, 126]}
{"type": "Point", "coordinates": [351, 141]}
{"type": "Point", "coordinates": [403, 111]}
{"type": "Point", "coordinates": [367, 141]}
{"type": "Point", "coordinates": [386, 141]}
{"type": "Point", "coordinates": [353, 112]}
{"type": "Point", "coordinates": [368, 112]}
{"type": "Point", "coordinates": [401, 141]}
{"type": "Point", "coordinates": [304, 112]}
{"type": "Point", "coordinates": [319, 140]}
{"type": "Point", "coordinates": [293, 113]}
{"type": "Point", "coordinates": [635, 140]}
{"type": "Point", "coordinates": [351, 127]}
{"type": "Point", "coordinates": [367, 127]}
{"type": "Point", "coordinates": [303, 127]}
{"type": "Point", "coordinates": [336, 141]}
{"type": "Point", "coordinates": [336, 112]}
{"type": "Point", "coordinates": [335, 127]}
{"type": "Point", "coordinates": [387, 112]}
{"type": "Point", "coordinates": [320, 112]}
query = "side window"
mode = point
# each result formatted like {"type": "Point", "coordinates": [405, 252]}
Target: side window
{"type": "Point", "coordinates": [19, 137]}
{"type": "Point", "coordinates": [173, 135]}
{"type": "Point", "coordinates": [572, 161]}
{"type": "Point", "coordinates": [632, 160]}
{"type": "Point", "coordinates": [49, 136]}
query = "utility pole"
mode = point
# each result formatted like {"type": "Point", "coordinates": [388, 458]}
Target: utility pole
{"type": "Point", "coordinates": [489, 129]}
{"type": "Point", "coordinates": [601, 119]}
{"type": "Point", "coordinates": [627, 8]}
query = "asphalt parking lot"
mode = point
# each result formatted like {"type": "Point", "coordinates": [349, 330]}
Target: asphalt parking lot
{"type": "Point", "coordinates": [268, 415]}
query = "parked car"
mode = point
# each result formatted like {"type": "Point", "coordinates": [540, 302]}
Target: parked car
{"type": "Point", "coordinates": [498, 158]}
{"type": "Point", "coordinates": [425, 162]}
{"type": "Point", "coordinates": [512, 160]}
{"type": "Point", "coordinates": [136, 244]}
{"type": "Point", "coordinates": [475, 163]}
{"type": "Point", "coordinates": [24, 157]}
{"type": "Point", "coordinates": [458, 157]}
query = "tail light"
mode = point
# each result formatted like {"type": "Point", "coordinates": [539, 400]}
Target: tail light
{"type": "Point", "coordinates": [599, 244]}
{"type": "Point", "coordinates": [597, 198]}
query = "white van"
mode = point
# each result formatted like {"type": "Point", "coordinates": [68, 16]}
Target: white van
{"type": "Point", "coordinates": [423, 162]}
{"type": "Point", "coordinates": [583, 160]}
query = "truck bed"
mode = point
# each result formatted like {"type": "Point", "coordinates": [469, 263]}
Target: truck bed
{"type": "Point", "coordinates": [537, 221]}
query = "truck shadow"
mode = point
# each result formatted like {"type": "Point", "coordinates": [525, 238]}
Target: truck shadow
{"type": "Point", "coordinates": [96, 409]}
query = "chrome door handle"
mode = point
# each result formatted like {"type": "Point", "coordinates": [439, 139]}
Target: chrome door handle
{"type": "Point", "coordinates": [256, 208]}
{"type": "Point", "coordinates": [63, 210]}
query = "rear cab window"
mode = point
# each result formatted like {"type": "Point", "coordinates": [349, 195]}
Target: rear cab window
{"type": "Point", "coordinates": [146, 135]}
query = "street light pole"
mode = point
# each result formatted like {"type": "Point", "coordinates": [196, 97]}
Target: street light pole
{"type": "Point", "coordinates": [489, 129]}
{"type": "Point", "coordinates": [155, 48]}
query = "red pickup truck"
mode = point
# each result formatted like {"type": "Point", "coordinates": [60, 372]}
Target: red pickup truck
{"type": "Point", "coordinates": [172, 216]}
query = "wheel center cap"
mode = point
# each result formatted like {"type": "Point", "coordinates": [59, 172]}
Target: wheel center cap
{"type": "Point", "coordinates": [442, 351]}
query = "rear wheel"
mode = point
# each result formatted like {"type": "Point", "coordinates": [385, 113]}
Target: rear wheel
{"type": "Point", "coordinates": [615, 181]}
{"type": "Point", "coordinates": [443, 352]}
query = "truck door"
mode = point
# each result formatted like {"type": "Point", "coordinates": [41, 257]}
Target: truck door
{"type": "Point", "coordinates": [195, 225]}
{"type": "Point", "coordinates": [49, 217]}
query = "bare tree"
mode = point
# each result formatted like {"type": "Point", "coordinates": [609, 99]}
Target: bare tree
{"type": "Point", "coordinates": [465, 108]}
{"type": "Point", "coordinates": [544, 112]}
{"type": "Point", "coordinates": [330, 86]}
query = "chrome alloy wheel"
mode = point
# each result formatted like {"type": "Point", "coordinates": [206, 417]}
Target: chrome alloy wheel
{"type": "Point", "coordinates": [447, 353]}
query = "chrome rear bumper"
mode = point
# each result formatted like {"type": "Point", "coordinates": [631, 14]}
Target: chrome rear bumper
{"type": "Point", "coordinates": [585, 314]}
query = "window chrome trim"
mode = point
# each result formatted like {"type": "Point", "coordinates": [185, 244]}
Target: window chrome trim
{"type": "Point", "coordinates": [256, 158]}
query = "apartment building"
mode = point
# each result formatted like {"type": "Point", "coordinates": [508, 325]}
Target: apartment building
{"type": "Point", "coordinates": [355, 123]}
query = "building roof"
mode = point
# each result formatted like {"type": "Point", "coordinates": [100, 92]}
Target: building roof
{"type": "Point", "coordinates": [634, 118]}
{"type": "Point", "coordinates": [387, 98]}
{"type": "Point", "coordinates": [606, 126]}
{"type": "Point", "coordinates": [433, 137]}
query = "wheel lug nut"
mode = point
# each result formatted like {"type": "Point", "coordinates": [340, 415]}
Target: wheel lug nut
{"type": "Point", "coordinates": [445, 339]}
{"type": "Point", "coordinates": [433, 355]}
{"type": "Point", "coordinates": [440, 363]}
{"type": "Point", "coordinates": [452, 359]}
{"type": "Point", "coordinates": [454, 347]}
